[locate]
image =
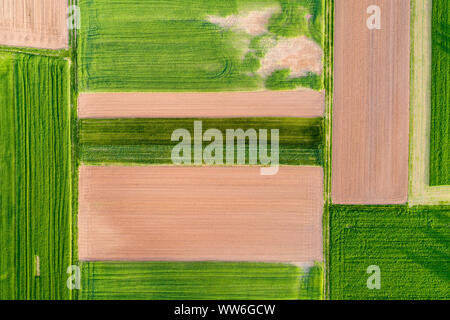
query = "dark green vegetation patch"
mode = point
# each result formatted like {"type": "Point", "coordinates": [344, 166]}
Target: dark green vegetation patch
{"type": "Point", "coordinates": [410, 246]}
{"type": "Point", "coordinates": [440, 95]}
{"type": "Point", "coordinates": [148, 141]}
{"type": "Point", "coordinates": [35, 198]}
{"type": "Point", "coordinates": [153, 45]}
{"type": "Point", "coordinates": [199, 280]}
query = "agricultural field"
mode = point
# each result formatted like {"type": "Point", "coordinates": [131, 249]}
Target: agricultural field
{"type": "Point", "coordinates": [420, 191]}
{"type": "Point", "coordinates": [202, 213]}
{"type": "Point", "coordinates": [440, 95]}
{"type": "Point", "coordinates": [371, 104]}
{"type": "Point", "coordinates": [35, 177]}
{"type": "Point", "coordinates": [411, 246]}
{"type": "Point", "coordinates": [34, 23]}
{"type": "Point", "coordinates": [293, 103]}
{"type": "Point", "coordinates": [148, 141]}
{"type": "Point", "coordinates": [206, 45]}
{"type": "Point", "coordinates": [200, 280]}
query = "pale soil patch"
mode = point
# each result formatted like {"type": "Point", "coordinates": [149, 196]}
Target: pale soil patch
{"type": "Point", "coordinates": [161, 213]}
{"type": "Point", "coordinates": [253, 22]}
{"type": "Point", "coordinates": [34, 23]}
{"type": "Point", "coordinates": [419, 190]}
{"type": "Point", "coordinates": [371, 104]}
{"type": "Point", "coordinates": [301, 55]}
{"type": "Point", "coordinates": [299, 103]}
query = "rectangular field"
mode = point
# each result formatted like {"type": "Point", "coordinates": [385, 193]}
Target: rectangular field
{"type": "Point", "coordinates": [299, 103]}
{"type": "Point", "coordinates": [205, 45]}
{"type": "Point", "coordinates": [35, 177]}
{"type": "Point", "coordinates": [34, 23]}
{"type": "Point", "coordinates": [148, 141]}
{"type": "Point", "coordinates": [200, 214]}
{"type": "Point", "coordinates": [411, 247]}
{"type": "Point", "coordinates": [200, 280]}
{"type": "Point", "coordinates": [371, 104]}
{"type": "Point", "coordinates": [440, 95]}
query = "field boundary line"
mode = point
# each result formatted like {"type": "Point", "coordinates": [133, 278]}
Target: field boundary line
{"type": "Point", "coordinates": [420, 192]}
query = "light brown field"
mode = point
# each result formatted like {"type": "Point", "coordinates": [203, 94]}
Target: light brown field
{"type": "Point", "coordinates": [300, 103]}
{"type": "Point", "coordinates": [34, 23]}
{"type": "Point", "coordinates": [371, 104]}
{"type": "Point", "coordinates": [200, 213]}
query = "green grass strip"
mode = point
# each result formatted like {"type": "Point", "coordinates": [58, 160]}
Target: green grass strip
{"type": "Point", "coordinates": [411, 246]}
{"type": "Point", "coordinates": [198, 280]}
{"type": "Point", "coordinates": [440, 95]}
{"type": "Point", "coordinates": [34, 176]}
{"type": "Point", "coordinates": [148, 141]}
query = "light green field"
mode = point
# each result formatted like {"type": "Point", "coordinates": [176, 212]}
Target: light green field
{"type": "Point", "coordinates": [411, 246]}
{"type": "Point", "coordinates": [152, 45]}
{"type": "Point", "coordinates": [148, 141]}
{"type": "Point", "coordinates": [35, 198]}
{"type": "Point", "coordinates": [199, 280]}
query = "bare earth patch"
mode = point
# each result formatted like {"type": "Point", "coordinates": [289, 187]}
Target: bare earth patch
{"type": "Point", "coordinates": [34, 23]}
{"type": "Point", "coordinates": [161, 213]}
{"type": "Point", "coordinates": [253, 22]}
{"type": "Point", "coordinates": [299, 103]}
{"type": "Point", "coordinates": [301, 55]}
{"type": "Point", "coordinates": [371, 104]}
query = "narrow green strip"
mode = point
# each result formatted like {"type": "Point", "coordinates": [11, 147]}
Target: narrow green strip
{"type": "Point", "coordinates": [440, 95]}
{"type": "Point", "coordinates": [197, 280]}
{"type": "Point", "coordinates": [148, 141]}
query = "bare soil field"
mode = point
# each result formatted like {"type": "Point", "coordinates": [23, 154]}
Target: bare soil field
{"type": "Point", "coordinates": [34, 23]}
{"type": "Point", "coordinates": [371, 104]}
{"type": "Point", "coordinates": [299, 103]}
{"type": "Point", "coordinates": [200, 213]}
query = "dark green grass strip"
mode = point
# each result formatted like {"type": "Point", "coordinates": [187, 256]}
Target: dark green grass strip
{"type": "Point", "coordinates": [35, 176]}
{"type": "Point", "coordinates": [440, 95]}
{"type": "Point", "coordinates": [411, 247]}
{"type": "Point", "coordinates": [148, 141]}
{"type": "Point", "coordinates": [198, 280]}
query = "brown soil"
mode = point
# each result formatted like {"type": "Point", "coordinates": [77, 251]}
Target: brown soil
{"type": "Point", "coordinates": [301, 55]}
{"type": "Point", "coordinates": [34, 23]}
{"type": "Point", "coordinates": [200, 213]}
{"type": "Point", "coordinates": [371, 104]}
{"type": "Point", "coordinates": [300, 103]}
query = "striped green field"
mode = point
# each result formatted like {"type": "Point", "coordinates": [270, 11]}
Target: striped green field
{"type": "Point", "coordinates": [153, 45]}
{"type": "Point", "coordinates": [148, 141]}
{"type": "Point", "coordinates": [411, 246]}
{"type": "Point", "coordinates": [440, 95]}
{"type": "Point", "coordinates": [35, 177]}
{"type": "Point", "coordinates": [199, 280]}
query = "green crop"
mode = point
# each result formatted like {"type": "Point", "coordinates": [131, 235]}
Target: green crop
{"type": "Point", "coordinates": [440, 95]}
{"type": "Point", "coordinates": [35, 177]}
{"type": "Point", "coordinates": [152, 45]}
{"type": "Point", "coordinates": [411, 246]}
{"type": "Point", "coordinates": [199, 280]}
{"type": "Point", "coordinates": [148, 141]}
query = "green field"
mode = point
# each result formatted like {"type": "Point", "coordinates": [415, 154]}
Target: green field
{"type": "Point", "coordinates": [410, 245]}
{"type": "Point", "coordinates": [440, 95]}
{"type": "Point", "coordinates": [148, 141]}
{"type": "Point", "coordinates": [35, 178]}
{"type": "Point", "coordinates": [153, 45]}
{"type": "Point", "coordinates": [199, 280]}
